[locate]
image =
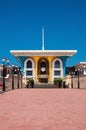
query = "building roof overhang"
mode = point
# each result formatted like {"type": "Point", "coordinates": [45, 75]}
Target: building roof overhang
{"type": "Point", "coordinates": [69, 53]}
{"type": "Point", "coordinates": [80, 65]}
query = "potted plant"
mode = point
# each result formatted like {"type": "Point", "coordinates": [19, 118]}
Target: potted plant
{"type": "Point", "coordinates": [58, 82]}
{"type": "Point", "coordinates": [30, 82]}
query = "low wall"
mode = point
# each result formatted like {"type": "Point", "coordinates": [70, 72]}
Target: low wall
{"type": "Point", "coordinates": [8, 82]}
{"type": "Point", "coordinates": [82, 81]}
{"type": "Point", "coordinates": [68, 79]}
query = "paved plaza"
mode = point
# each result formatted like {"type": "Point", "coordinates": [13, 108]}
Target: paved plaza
{"type": "Point", "coordinates": [43, 109]}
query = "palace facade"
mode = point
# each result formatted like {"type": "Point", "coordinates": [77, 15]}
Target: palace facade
{"type": "Point", "coordinates": [43, 65]}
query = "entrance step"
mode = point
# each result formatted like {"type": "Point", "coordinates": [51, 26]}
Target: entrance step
{"type": "Point", "coordinates": [45, 85]}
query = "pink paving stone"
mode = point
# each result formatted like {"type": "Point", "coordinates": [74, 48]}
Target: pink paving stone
{"type": "Point", "coordinates": [43, 109]}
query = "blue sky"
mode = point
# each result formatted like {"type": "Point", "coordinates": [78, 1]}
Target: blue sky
{"type": "Point", "coordinates": [21, 23]}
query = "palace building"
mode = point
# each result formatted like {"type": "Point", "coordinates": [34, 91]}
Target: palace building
{"type": "Point", "coordinates": [43, 65]}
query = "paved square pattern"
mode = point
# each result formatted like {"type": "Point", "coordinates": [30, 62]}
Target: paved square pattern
{"type": "Point", "coordinates": [43, 109]}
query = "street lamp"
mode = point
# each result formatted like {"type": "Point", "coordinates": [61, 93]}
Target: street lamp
{"type": "Point", "coordinates": [78, 79]}
{"type": "Point", "coordinates": [4, 71]}
{"type": "Point", "coordinates": [18, 73]}
{"type": "Point", "coordinates": [18, 77]}
{"type": "Point", "coordinates": [78, 73]}
{"type": "Point", "coordinates": [72, 80]}
{"type": "Point", "coordinates": [21, 77]}
{"type": "Point", "coordinates": [12, 72]}
{"type": "Point", "coordinates": [72, 74]}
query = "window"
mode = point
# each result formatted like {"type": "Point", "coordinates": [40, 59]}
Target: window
{"type": "Point", "coordinates": [29, 64]}
{"type": "Point", "coordinates": [29, 68]}
{"type": "Point", "coordinates": [57, 68]}
{"type": "Point", "coordinates": [29, 73]}
{"type": "Point", "coordinates": [57, 64]}
{"type": "Point", "coordinates": [43, 64]}
{"type": "Point", "coordinates": [57, 72]}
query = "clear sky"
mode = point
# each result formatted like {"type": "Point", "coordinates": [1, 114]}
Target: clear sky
{"type": "Point", "coordinates": [64, 22]}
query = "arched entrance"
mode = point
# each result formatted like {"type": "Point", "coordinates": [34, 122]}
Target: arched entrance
{"type": "Point", "coordinates": [43, 70]}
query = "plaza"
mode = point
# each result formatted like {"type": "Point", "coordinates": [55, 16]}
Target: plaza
{"type": "Point", "coordinates": [43, 109]}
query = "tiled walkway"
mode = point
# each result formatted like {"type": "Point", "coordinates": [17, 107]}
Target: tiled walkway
{"type": "Point", "coordinates": [43, 109]}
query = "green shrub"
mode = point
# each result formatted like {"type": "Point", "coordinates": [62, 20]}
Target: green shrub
{"type": "Point", "coordinates": [30, 81]}
{"type": "Point", "coordinates": [58, 81]}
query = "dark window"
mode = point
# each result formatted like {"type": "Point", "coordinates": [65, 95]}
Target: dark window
{"type": "Point", "coordinates": [29, 64]}
{"type": "Point", "coordinates": [43, 64]}
{"type": "Point", "coordinates": [57, 64]}
{"type": "Point", "coordinates": [57, 73]}
{"type": "Point", "coordinates": [29, 73]}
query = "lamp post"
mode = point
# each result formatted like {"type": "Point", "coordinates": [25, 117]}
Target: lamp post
{"type": "Point", "coordinates": [78, 73]}
{"type": "Point", "coordinates": [18, 73]}
{"type": "Point", "coordinates": [72, 80]}
{"type": "Point", "coordinates": [78, 79]}
{"type": "Point", "coordinates": [21, 78]}
{"type": "Point", "coordinates": [4, 74]}
{"type": "Point", "coordinates": [71, 73]}
{"type": "Point", "coordinates": [12, 72]}
{"type": "Point", "coordinates": [18, 77]}
{"type": "Point", "coordinates": [3, 60]}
